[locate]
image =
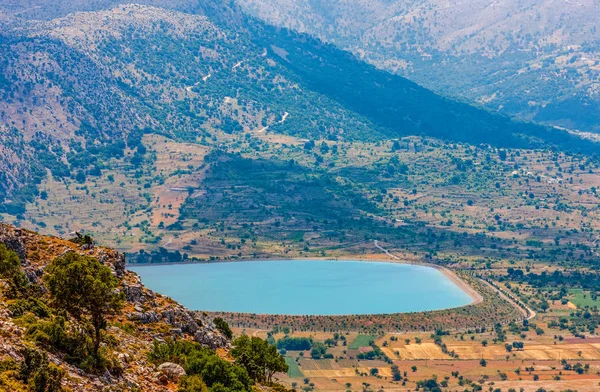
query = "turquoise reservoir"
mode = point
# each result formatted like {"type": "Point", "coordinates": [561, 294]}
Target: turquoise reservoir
{"type": "Point", "coordinates": [304, 287]}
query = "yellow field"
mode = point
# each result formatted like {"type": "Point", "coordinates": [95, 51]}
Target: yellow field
{"type": "Point", "coordinates": [588, 351]}
{"type": "Point", "coordinates": [417, 351]}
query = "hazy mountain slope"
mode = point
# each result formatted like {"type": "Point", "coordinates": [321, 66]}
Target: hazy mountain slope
{"type": "Point", "coordinates": [402, 106]}
{"type": "Point", "coordinates": [538, 59]}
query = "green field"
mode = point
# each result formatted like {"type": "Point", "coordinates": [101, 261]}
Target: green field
{"type": "Point", "coordinates": [361, 341]}
{"type": "Point", "coordinates": [583, 298]}
{"type": "Point", "coordinates": [293, 369]}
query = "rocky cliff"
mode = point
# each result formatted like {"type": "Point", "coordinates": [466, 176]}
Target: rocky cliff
{"type": "Point", "coordinates": [146, 317]}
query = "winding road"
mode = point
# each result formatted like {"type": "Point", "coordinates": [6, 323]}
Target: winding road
{"type": "Point", "coordinates": [527, 311]}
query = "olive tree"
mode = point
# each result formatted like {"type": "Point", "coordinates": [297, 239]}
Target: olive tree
{"type": "Point", "coordinates": [258, 357]}
{"type": "Point", "coordinates": [85, 289]}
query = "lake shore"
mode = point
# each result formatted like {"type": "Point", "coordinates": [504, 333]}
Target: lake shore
{"type": "Point", "coordinates": [386, 256]}
{"type": "Point", "coordinates": [484, 310]}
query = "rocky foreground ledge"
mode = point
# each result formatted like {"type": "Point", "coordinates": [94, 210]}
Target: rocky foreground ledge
{"type": "Point", "coordinates": [146, 317]}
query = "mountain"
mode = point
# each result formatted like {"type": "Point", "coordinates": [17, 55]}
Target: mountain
{"type": "Point", "coordinates": [534, 59]}
{"type": "Point", "coordinates": [142, 70]}
{"type": "Point", "coordinates": [84, 88]}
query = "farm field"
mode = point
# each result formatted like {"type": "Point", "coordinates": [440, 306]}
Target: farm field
{"type": "Point", "coordinates": [582, 298]}
{"type": "Point", "coordinates": [361, 341]}
{"type": "Point", "coordinates": [541, 363]}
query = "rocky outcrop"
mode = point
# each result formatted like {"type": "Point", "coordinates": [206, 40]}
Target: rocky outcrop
{"type": "Point", "coordinates": [145, 317]}
{"type": "Point", "coordinates": [154, 317]}
{"type": "Point", "coordinates": [12, 240]}
{"type": "Point", "coordinates": [133, 293]}
{"type": "Point", "coordinates": [172, 371]}
{"type": "Point", "coordinates": [210, 339]}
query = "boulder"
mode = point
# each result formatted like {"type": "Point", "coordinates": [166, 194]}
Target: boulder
{"type": "Point", "coordinates": [188, 324]}
{"type": "Point", "coordinates": [172, 371]}
{"type": "Point", "coordinates": [120, 265]}
{"type": "Point", "coordinates": [210, 339]}
{"type": "Point", "coordinates": [169, 316]}
{"type": "Point", "coordinates": [13, 242]}
{"type": "Point", "coordinates": [145, 317]}
{"type": "Point", "coordinates": [133, 293]}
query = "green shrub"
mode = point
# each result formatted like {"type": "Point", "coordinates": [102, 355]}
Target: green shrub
{"type": "Point", "coordinates": [223, 327]}
{"type": "Point", "coordinates": [192, 384]}
{"type": "Point", "coordinates": [10, 269]}
{"type": "Point", "coordinates": [38, 373]}
{"type": "Point", "coordinates": [217, 373]}
{"type": "Point", "coordinates": [19, 307]}
{"type": "Point", "coordinates": [55, 335]}
{"type": "Point", "coordinates": [9, 377]}
{"type": "Point", "coordinates": [172, 351]}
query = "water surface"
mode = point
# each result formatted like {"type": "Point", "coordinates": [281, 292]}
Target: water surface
{"type": "Point", "coordinates": [304, 287]}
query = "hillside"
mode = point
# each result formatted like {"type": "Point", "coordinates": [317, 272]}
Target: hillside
{"type": "Point", "coordinates": [536, 59]}
{"type": "Point", "coordinates": [34, 327]}
{"type": "Point", "coordinates": [74, 93]}
{"type": "Point", "coordinates": [128, 70]}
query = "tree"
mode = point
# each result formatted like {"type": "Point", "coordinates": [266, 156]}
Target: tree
{"type": "Point", "coordinates": [258, 357]}
{"type": "Point", "coordinates": [10, 269]}
{"type": "Point", "coordinates": [217, 373]}
{"type": "Point", "coordinates": [80, 177]}
{"type": "Point", "coordinates": [223, 327]}
{"type": "Point", "coordinates": [502, 155]}
{"type": "Point", "coordinates": [85, 289]}
{"type": "Point", "coordinates": [318, 350]}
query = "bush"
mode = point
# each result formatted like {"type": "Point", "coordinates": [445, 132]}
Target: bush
{"type": "Point", "coordinates": [38, 373]}
{"type": "Point", "coordinates": [216, 372]}
{"type": "Point", "coordinates": [54, 335]}
{"type": "Point", "coordinates": [10, 269]}
{"type": "Point", "coordinates": [172, 351]}
{"type": "Point", "coordinates": [192, 384]}
{"type": "Point", "coordinates": [223, 327]}
{"type": "Point", "coordinates": [21, 306]}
